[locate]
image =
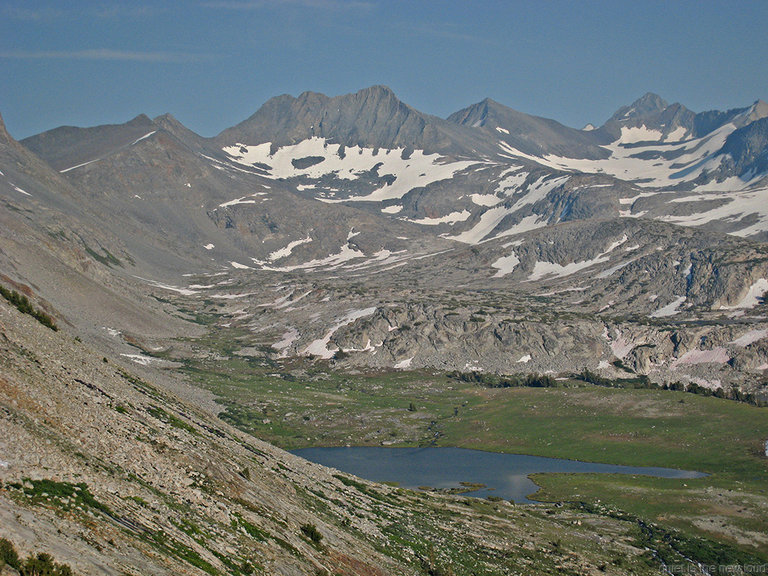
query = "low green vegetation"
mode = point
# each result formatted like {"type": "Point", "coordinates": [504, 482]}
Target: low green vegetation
{"type": "Point", "coordinates": [108, 259]}
{"type": "Point", "coordinates": [24, 306]}
{"type": "Point", "coordinates": [40, 564]}
{"type": "Point", "coordinates": [299, 403]}
{"type": "Point", "coordinates": [61, 495]}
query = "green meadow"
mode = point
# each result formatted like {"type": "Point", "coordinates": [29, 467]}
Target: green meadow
{"type": "Point", "coordinates": [300, 403]}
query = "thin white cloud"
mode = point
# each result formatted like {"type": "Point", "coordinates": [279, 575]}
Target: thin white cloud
{"type": "Point", "coordinates": [104, 54]}
{"type": "Point", "coordinates": [259, 4]}
{"type": "Point", "coordinates": [106, 11]}
{"type": "Point", "coordinates": [31, 14]}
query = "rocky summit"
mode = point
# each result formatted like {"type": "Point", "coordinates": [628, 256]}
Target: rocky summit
{"type": "Point", "coordinates": [360, 234]}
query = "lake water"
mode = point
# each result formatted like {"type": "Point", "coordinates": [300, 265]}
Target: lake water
{"type": "Point", "coordinates": [505, 475]}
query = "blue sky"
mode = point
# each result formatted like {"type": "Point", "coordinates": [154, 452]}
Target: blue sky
{"type": "Point", "coordinates": [212, 63]}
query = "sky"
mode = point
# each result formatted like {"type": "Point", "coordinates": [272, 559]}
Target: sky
{"type": "Point", "coordinates": [213, 63]}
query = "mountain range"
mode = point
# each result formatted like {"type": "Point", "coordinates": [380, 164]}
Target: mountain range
{"type": "Point", "coordinates": [358, 234]}
{"type": "Point", "coordinates": [469, 231]}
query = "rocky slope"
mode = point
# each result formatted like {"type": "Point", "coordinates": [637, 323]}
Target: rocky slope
{"type": "Point", "coordinates": [114, 469]}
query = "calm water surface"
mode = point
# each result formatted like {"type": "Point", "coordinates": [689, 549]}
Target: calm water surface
{"type": "Point", "coordinates": [505, 475]}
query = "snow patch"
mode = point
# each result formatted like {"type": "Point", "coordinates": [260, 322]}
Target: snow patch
{"type": "Point", "coordinates": [319, 347]}
{"type": "Point", "coordinates": [418, 170]}
{"type": "Point", "coordinates": [542, 269]}
{"type": "Point", "coordinates": [182, 291]}
{"type": "Point", "coordinates": [239, 266]}
{"type": "Point", "coordinates": [524, 359]}
{"type": "Point", "coordinates": [209, 246]}
{"type": "Point", "coordinates": [670, 309]}
{"type": "Point", "coordinates": [243, 200]}
{"type": "Point", "coordinates": [78, 166]}
{"type": "Point", "coordinates": [750, 337]}
{"type": "Point", "coordinates": [632, 135]}
{"type": "Point", "coordinates": [403, 364]}
{"type": "Point", "coordinates": [715, 356]}
{"type": "Point", "coordinates": [140, 359]}
{"type": "Point", "coordinates": [753, 297]}
{"type": "Point", "coordinates": [485, 199]}
{"type": "Point", "coordinates": [451, 218]}
{"type": "Point", "coordinates": [345, 254]}
{"type": "Point", "coordinates": [143, 137]}
{"type": "Point", "coordinates": [506, 265]}
{"type": "Point", "coordinates": [289, 337]}
{"type": "Point", "coordinates": [286, 251]}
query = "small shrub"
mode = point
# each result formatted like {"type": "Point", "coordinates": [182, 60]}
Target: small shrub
{"type": "Point", "coordinates": [24, 306]}
{"type": "Point", "coordinates": [8, 554]}
{"type": "Point", "coordinates": [311, 532]}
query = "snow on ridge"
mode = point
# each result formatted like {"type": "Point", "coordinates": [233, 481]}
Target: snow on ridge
{"type": "Point", "coordinates": [510, 180]}
{"type": "Point", "coordinates": [628, 163]}
{"type": "Point", "coordinates": [143, 137]}
{"type": "Point", "coordinates": [502, 130]}
{"type": "Point", "coordinates": [78, 166]}
{"type": "Point", "coordinates": [637, 134]}
{"type": "Point", "coordinates": [488, 221]}
{"type": "Point", "coordinates": [676, 135]}
{"type": "Point", "coordinates": [420, 169]}
{"type": "Point", "coordinates": [739, 206]}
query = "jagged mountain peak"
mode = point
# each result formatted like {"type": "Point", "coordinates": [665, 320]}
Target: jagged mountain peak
{"type": "Point", "coordinates": [646, 105]}
{"type": "Point", "coordinates": [373, 117]}
{"type": "Point", "coordinates": [529, 134]}
{"type": "Point", "coordinates": [140, 120]}
{"type": "Point", "coordinates": [378, 91]}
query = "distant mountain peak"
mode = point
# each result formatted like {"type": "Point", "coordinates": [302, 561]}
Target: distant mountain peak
{"type": "Point", "coordinates": [758, 110]}
{"type": "Point", "coordinates": [646, 105]}
{"type": "Point", "coordinates": [140, 120]}
{"type": "Point", "coordinates": [378, 90]}
{"type": "Point", "coordinates": [4, 136]}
